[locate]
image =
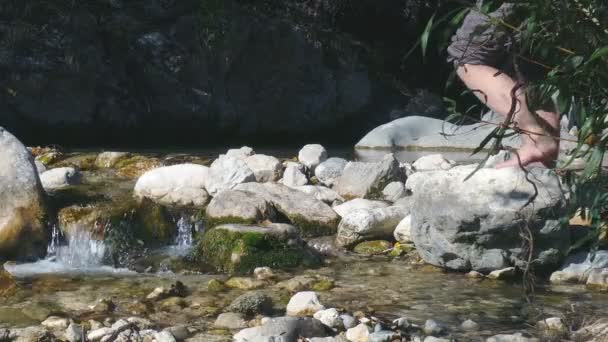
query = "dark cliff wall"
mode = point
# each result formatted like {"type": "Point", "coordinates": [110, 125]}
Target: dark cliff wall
{"type": "Point", "coordinates": [204, 72]}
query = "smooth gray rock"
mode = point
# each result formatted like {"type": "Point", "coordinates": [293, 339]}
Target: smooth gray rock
{"type": "Point", "coordinates": [469, 325]}
{"type": "Point", "coordinates": [230, 320]}
{"type": "Point", "coordinates": [577, 267]}
{"type": "Point", "coordinates": [328, 171]}
{"type": "Point", "coordinates": [321, 193]}
{"type": "Point", "coordinates": [348, 321]}
{"type": "Point", "coordinates": [423, 132]}
{"type": "Point", "coordinates": [312, 155]}
{"type": "Point", "coordinates": [367, 180]}
{"type": "Point", "coordinates": [293, 177]}
{"type": "Point", "coordinates": [251, 303]}
{"type": "Point", "coordinates": [329, 317]}
{"type": "Point", "coordinates": [394, 191]}
{"type": "Point", "coordinates": [433, 162]}
{"type": "Point", "coordinates": [403, 231]}
{"type": "Point", "coordinates": [476, 224]}
{"type": "Point", "coordinates": [74, 333]}
{"type": "Point", "coordinates": [182, 184]}
{"type": "Point", "coordinates": [311, 216]}
{"type": "Point", "coordinates": [369, 224]}
{"type": "Point", "coordinates": [305, 303]}
{"type": "Point", "coordinates": [283, 329]}
{"type": "Point", "coordinates": [240, 153]}
{"type": "Point", "coordinates": [30, 334]}
{"type": "Point", "coordinates": [265, 168]}
{"type": "Point", "coordinates": [237, 205]}
{"type": "Point", "coordinates": [22, 233]}
{"type": "Point", "coordinates": [358, 203]}
{"type": "Point", "coordinates": [39, 166]}
{"type": "Point", "coordinates": [59, 178]}
{"type": "Point", "coordinates": [227, 172]}
{"type": "Point", "coordinates": [383, 336]}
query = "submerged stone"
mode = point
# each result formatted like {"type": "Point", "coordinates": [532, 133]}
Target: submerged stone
{"type": "Point", "coordinates": [372, 247]}
{"type": "Point", "coordinates": [240, 249]}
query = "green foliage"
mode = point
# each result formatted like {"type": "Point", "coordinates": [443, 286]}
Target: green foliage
{"type": "Point", "coordinates": [568, 42]}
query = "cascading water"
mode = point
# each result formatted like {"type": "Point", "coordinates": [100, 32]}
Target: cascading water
{"type": "Point", "coordinates": [184, 233]}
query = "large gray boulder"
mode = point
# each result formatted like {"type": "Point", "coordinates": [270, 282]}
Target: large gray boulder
{"type": "Point", "coordinates": [478, 224]}
{"type": "Point", "coordinates": [182, 184]}
{"type": "Point", "coordinates": [369, 224]}
{"type": "Point", "coordinates": [22, 233]}
{"type": "Point", "coordinates": [423, 132]}
{"type": "Point", "coordinates": [285, 329]}
{"type": "Point", "coordinates": [236, 206]}
{"type": "Point", "coordinates": [328, 171]}
{"type": "Point", "coordinates": [311, 216]}
{"type": "Point", "coordinates": [367, 180]}
{"type": "Point", "coordinates": [227, 172]}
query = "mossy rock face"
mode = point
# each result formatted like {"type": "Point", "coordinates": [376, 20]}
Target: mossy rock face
{"type": "Point", "coordinates": [135, 166]}
{"type": "Point", "coordinates": [83, 162]}
{"type": "Point", "coordinates": [240, 249]}
{"type": "Point", "coordinates": [8, 286]}
{"type": "Point", "coordinates": [373, 247]}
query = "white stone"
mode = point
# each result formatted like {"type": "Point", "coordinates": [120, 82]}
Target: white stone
{"type": "Point", "coordinates": [226, 173]}
{"type": "Point", "coordinates": [304, 304]}
{"type": "Point", "coordinates": [367, 180]}
{"type": "Point", "coordinates": [321, 193]}
{"type": "Point", "coordinates": [433, 162]}
{"type": "Point", "coordinates": [369, 224]}
{"type": "Point", "coordinates": [293, 177]}
{"type": "Point", "coordinates": [577, 267]}
{"type": "Point", "coordinates": [59, 178]}
{"type": "Point", "coordinates": [182, 184]}
{"type": "Point", "coordinates": [240, 153]}
{"type": "Point", "coordinates": [109, 159]}
{"type": "Point", "coordinates": [553, 324]}
{"type": "Point", "coordinates": [164, 336]}
{"type": "Point", "coordinates": [502, 274]}
{"type": "Point", "coordinates": [328, 171]}
{"type": "Point", "coordinates": [263, 273]}
{"type": "Point", "coordinates": [74, 333]}
{"type": "Point", "coordinates": [358, 203]}
{"type": "Point", "coordinates": [56, 323]}
{"type": "Point", "coordinates": [312, 155]}
{"type": "Point", "coordinates": [329, 317]}
{"type": "Point", "coordinates": [403, 231]}
{"type": "Point", "coordinates": [265, 168]}
{"type": "Point", "coordinates": [360, 333]}
{"type": "Point", "coordinates": [394, 191]}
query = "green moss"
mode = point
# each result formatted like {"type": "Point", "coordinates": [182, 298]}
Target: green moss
{"type": "Point", "coordinates": [215, 285]}
{"type": "Point", "coordinates": [310, 228]}
{"type": "Point", "coordinates": [372, 247]}
{"type": "Point", "coordinates": [323, 285]}
{"type": "Point", "coordinates": [237, 252]}
{"type": "Point", "coordinates": [400, 249]}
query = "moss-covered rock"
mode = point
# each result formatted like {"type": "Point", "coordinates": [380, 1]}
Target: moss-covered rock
{"type": "Point", "coordinates": [373, 247]}
{"type": "Point", "coordinates": [215, 285]}
{"type": "Point", "coordinates": [7, 284]}
{"type": "Point", "coordinates": [135, 166]}
{"type": "Point", "coordinates": [240, 249]}
{"type": "Point", "coordinates": [80, 161]}
{"type": "Point", "coordinates": [237, 207]}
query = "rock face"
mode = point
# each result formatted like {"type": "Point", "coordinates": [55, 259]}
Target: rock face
{"type": "Point", "coordinates": [312, 155]}
{"type": "Point", "coordinates": [265, 168]}
{"type": "Point", "coordinates": [182, 184]}
{"type": "Point", "coordinates": [368, 179]}
{"type": "Point", "coordinates": [240, 249]}
{"type": "Point", "coordinates": [368, 224]}
{"type": "Point", "coordinates": [283, 329]}
{"type": "Point", "coordinates": [423, 132]}
{"type": "Point", "coordinates": [328, 171]}
{"type": "Point", "coordinates": [578, 267]}
{"type": "Point", "coordinates": [311, 216]}
{"type": "Point", "coordinates": [59, 178]}
{"type": "Point", "coordinates": [227, 172]}
{"type": "Point", "coordinates": [476, 224]}
{"type": "Point", "coordinates": [22, 233]}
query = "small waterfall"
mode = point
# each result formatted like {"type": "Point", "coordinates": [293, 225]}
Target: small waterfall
{"type": "Point", "coordinates": [51, 249]}
{"type": "Point", "coordinates": [184, 233]}
{"type": "Point", "coordinates": [81, 252]}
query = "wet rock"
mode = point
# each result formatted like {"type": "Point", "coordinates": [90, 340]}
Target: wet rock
{"type": "Point", "coordinates": [180, 332]}
{"type": "Point", "coordinates": [245, 283]}
{"type": "Point", "coordinates": [283, 328]}
{"type": "Point", "coordinates": [240, 249]}
{"type": "Point", "coordinates": [432, 328]}
{"type": "Point", "coordinates": [293, 177]}
{"type": "Point", "coordinates": [306, 282]}
{"type": "Point", "coordinates": [172, 304]}
{"type": "Point", "coordinates": [22, 233]}
{"type": "Point", "coordinates": [8, 285]}
{"type": "Point", "coordinates": [230, 320]}
{"type": "Point", "coordinates": [474, 275]}
{"type": "Point", "coordinates": [312, 155]}
{"type": "Point", "coordinates": [59, 178]}
{"type": "Point", "coordinates": [433, 162]}
{"type": "Point", "coordinates": [311, 216]}
{"type": "Point", "coordinates": [394, 191]}
{"type": "Point", "coordinates": [135, 166]}
{"type": "Point", "coordinates": [476, 224]}
{"type": "Point", "coordinates": [375, 247]}
{"type": "Point", "coordinates": [323, 284]}
{"type": "Point", "coordinates": [251, 303]}
{"type": "Point", "coordinates": [596, 331]}
{"type": "Point", "coordinates": [321, 193]}
{"type": "Point", "coordinates": [359, 333]}
{"type": "Point", "coordinates": [74, 333]}
{"type": "Point", "coordinates": [158, 293]}
{"type": "Point", "coordinates": [367, 180]}
{"type": "Point", "coordinates": [403, 230]}
{"type": "Point", "coordinates": [598, 279]}
{"type": "Point", "coordinates": [236, 206]}
{"type": "Point", "coordinates": [503, 274]}
{"type": "Point", "coordinates": [140, 323]}
{"type": "Point", "coordinates": [110, 159]}
{"type": "Point", "coordinates": [519, 337]}
{"type": "Point", "coordinates": [103, 306]}
{"type": "Point", "coordinates": [383, 336]}
{"type": "Point", "coordinates": [226, 173]}
{"type": "Point", "coordinates": [358, 203]}
{"type": "Point", "coordinates": [436, 339]}
{"type": "Point", "coordinates": [39, 166]}
{"type": "Point", "coordinates": [165, 336]}
{"type": "Point", "coordinates": [56, 323]}
{"type": "Point", "coordinates": [98, 334]}
{"type": "Point", "coordinates": [328, 171]}
{"type": "Point", "coordinates": [367, 224]}
{"type": "Point", "coordinates": [215, 285]}
{"type": "Point", "coordinates": [182, 184]}
{"type": "Point", "coordinates": [423, 132]}
{"type": "Point", "coordinates": [265, 168]}
{"type": "Point", "coordinates": [552, 328]}
{"type": "Point", "coordinates": [263, 273]}
{"type": "Point", "coordinates": [324, 245]}
{"type": "Point", "coordinates": [469, 325]}
{"type": "Point", "coordinates": [240, 153]}
{"type": "Point", "coordinates": [348, 321]}
{"type": "Point", "coordinates": [329, 317]}
{"type": "Point", "coordinates": [577, 267]}
{"type": "Point", "coordinates": [30, 334]}
{"type": "Point", "coordinates": [304, 304]}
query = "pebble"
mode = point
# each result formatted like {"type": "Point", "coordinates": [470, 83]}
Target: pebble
{"type": "Point", "coordinates": [56, 323]}
{"type": "Point", "coordinates": [329, 317]}
{"type": "Point", "coordinates": [360, 333]}
{"type": "Point", "coordinates": [230, 320]}
{"type": "Point", "coordinates": [263, 273]}
{"type": "Point", "coordinates": [436, 339]}
{"type": "Point", "coordinates": [304, 304]}
{"type": "Point", "coordinates": [469, 325]}
{"type": "Point", "coordinates": [348, 321]}
{"type": "Point", "coordinates": [474, 275]}
{"type": "Point", "coordinates": [503, 274]}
